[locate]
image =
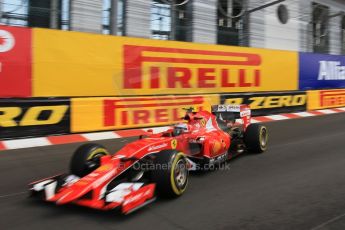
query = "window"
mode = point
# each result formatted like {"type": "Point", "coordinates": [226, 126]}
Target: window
{"type": "Point", "coordinates": [113, 17]}
{"type": "Point", "coordinates": [343, 35]}
{"type": "Point", "coordinates": [170, 19]}
{"type": "Point", "coordinates": [14, 12]}
{"type": "Point", "coordinates": [230, 21]}
{"type": "Point", "coordinates": [160, 20]}
{"type": "Point", "coordinates": [36, 13]}
{"type": "Point", "coordinates": [65, 14]}
{"type": "Point", "coordinates": [40, 13]}
{"type": "Point", "coordinates": [120, 23]}
{"type": "Point", "coordinates": [320, 18]}
{"type": "Point", "coordinates": [49, 14]}
{"type": "Point", "coordinates": [106, 15]}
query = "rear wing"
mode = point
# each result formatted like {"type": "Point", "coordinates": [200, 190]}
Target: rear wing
{"type": "Point", "coordinates": [232, 112]}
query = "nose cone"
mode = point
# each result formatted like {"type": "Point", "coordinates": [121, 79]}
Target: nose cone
{"type": "Point", "coordinates": [69, 196]}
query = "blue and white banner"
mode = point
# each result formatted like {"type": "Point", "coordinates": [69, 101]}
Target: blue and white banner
{"type": "Point", "coordinates": [321, 71]}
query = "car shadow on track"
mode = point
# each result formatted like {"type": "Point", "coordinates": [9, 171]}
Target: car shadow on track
{"type": "Point", "coordinates": [226, 165]}
{"type": "Point", "coordinates": [51, 211]}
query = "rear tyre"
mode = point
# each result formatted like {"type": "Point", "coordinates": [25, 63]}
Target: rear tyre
{"type": "Point", "coordinates": [86, 159]}
{"type": "Point", "coordinates": [170, 173]}
{"type": "Point", "coordinates": [256, 138]}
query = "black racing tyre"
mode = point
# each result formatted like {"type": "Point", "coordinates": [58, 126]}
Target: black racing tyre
{"type": "Point", "coordinates": [86, 159]}
{"type": "Point", "coordinates": [256, 138]}
{"type": "Point", "coordinates": [170, 173]}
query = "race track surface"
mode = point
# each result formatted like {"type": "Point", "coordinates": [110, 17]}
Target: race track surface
{"type": "Point", "coordinates": [299, 183]}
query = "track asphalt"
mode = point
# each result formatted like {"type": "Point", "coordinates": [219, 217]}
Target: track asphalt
{"type": "Point", "coordinates": [299, 183]}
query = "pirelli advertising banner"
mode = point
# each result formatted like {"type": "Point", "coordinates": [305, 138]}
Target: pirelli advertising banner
{"type": "Point", "coordinates": [79, 64]}
{"type": "Point", "coordinates": [34, 117]}
{"type": "Point", "coordinates": [15, 62]}
{"type": "Point", "coordinates": [263, 104]}
{"type": "Point", "coordinates": [323, 99]}
{"type": "Point", "coordinates": [321, 71]}
{"type": "Point", "coordinates": [109, 113]}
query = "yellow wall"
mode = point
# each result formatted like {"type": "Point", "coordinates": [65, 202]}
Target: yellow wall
{"type": "Point", "coordinates": [79, 64]}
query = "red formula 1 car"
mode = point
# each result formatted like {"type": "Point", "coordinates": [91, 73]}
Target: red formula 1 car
{"type": "Point", "coordinates": [156, 164]}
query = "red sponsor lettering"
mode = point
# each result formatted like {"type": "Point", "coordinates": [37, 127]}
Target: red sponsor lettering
{"type": "Point", "coordinates": [146, 110]}
{"type": "Point", "coordinates": [161, 115]}
{"type": "Point", "coordinates": [141, 117]}
{"type": "Point", "coordinates": [331, 98]}
{"type": "Point", "coordinates": [181, 77]}
{"type": "Point", "coordinates": [226, 79]}
{"type": "Point", "coordinates": [204, 76]}
{"type": "Point", "coordinates": [242, 78]}
{"type": "Point", "coordinates": [154, 77]}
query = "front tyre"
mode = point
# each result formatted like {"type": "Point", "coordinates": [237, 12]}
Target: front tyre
{"type": "Point", "coordinates": [256, 138]}
{"type": "Point", "coordinates": [170, 173]}
{"type": "Point", "coordinates": [86, 159]}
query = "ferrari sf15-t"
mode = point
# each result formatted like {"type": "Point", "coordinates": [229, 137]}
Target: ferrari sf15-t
{"type": "Point", "coordinates": [155, 164]}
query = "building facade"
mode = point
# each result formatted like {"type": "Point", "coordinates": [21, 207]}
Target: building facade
{"type": "Point", "coordinates": [298, 25]}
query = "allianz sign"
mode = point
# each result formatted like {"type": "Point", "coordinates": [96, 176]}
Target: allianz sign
{"type": "Point", "coordinates": [331, 70]}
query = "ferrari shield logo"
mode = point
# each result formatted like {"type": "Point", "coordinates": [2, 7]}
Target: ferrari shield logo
{"type": "Point", "coordinates": [203, 122]}
{"type": "Point", "coordinates": [174, 144]}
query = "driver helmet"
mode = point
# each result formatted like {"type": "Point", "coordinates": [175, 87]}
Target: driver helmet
{"type": "Point", "coordinates": [180, 128]}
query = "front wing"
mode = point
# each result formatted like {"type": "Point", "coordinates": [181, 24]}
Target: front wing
{"type": "Point", "coordinates": [127, 196]}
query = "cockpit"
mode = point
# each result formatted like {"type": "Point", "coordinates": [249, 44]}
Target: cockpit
{"type": "Point", "coordinates": [180, 129]}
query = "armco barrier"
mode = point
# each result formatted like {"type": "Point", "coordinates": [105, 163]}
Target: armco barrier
{"type": "Point", "coordinates": [78, 64]}
{"type": "Point", "coordinates": [34, 117]}
{"type": "Point", "coordinates": [95, 114]}
{"type": "Point", "coordinates": [321, 71]}
{"type": "Point", "coordinates": [15, 62]}
{"type": "Point", "coordinates": [49, 116]}
{"type": "Point", "coordinates": [323, 99]}
{"type": "Point", "coordinates": [263, 104]}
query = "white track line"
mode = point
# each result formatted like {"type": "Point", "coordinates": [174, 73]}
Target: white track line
{"type": "Point", "coordinates": [327, 111]}
{"type": "Point", "coordinates": [304, 114]}
{"type": "Point", "coordinates": [26, 143]}
{"type": "Point", "coordinates": [13, 194]}
{"type": "Point", "coordinates": [277, 117]}
{"type": "Point", "coordinates": [100, 136]}
{"type": "Point", "coordinates": [321, 226]}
